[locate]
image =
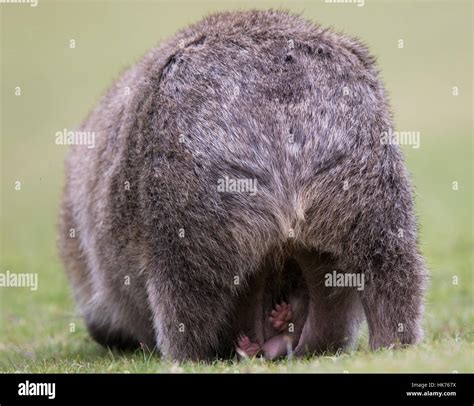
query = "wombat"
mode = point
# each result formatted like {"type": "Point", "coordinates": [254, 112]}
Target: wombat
{"type": "Point", "coordinates": [235, 167]}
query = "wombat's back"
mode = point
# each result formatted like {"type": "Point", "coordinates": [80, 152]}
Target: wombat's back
{"type": "Point", "coordinates": [263, 97]}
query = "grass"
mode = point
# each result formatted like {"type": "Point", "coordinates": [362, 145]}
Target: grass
{"type": "Point", "coordinates": [83, 357]}
{"type": "Point", "coordinates": [40, 331]}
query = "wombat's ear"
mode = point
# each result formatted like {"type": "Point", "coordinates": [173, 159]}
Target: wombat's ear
{"type": "Point", "coordinates": [175, 55]}
{"type": "Point", "coordinates": [360, 50]}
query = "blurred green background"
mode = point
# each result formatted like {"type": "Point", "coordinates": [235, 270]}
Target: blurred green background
{"type": "Point", "coordinates": [60, 85]}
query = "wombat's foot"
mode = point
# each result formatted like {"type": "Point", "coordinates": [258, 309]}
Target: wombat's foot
{"type": "Point", "coordinates": [280, 316]}
{"type": "Point", "coordinates": [246, 347]}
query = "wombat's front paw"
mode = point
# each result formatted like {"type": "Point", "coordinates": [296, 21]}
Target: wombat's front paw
{"type": "Point", "coordinates": [281, 316]}
{"type": "Point", "coordinates": [247, 348]}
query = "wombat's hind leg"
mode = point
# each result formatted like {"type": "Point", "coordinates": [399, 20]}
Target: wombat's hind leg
{"type": "Point", "coordinates": [334, 313]}
{"type": "Point", "coordinates": [191, 307]}
{"type": "Point", "coordinates": [392, 300]}
{"type": "Point", "coordinates": [394, 269]}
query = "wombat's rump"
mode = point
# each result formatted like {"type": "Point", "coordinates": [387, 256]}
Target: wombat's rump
{"type": "Point", "coordinates": [161, 255]}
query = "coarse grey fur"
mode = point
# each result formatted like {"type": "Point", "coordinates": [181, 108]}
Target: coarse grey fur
{"type": "Point", "coordinates": [159, 256]}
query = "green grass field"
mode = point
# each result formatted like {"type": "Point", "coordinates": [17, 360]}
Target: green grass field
{"type": "Point", "coordinates": [40, 331]}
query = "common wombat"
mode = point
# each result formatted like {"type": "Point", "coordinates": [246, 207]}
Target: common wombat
{"type": "Point", "coordinates": [167, 245]}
